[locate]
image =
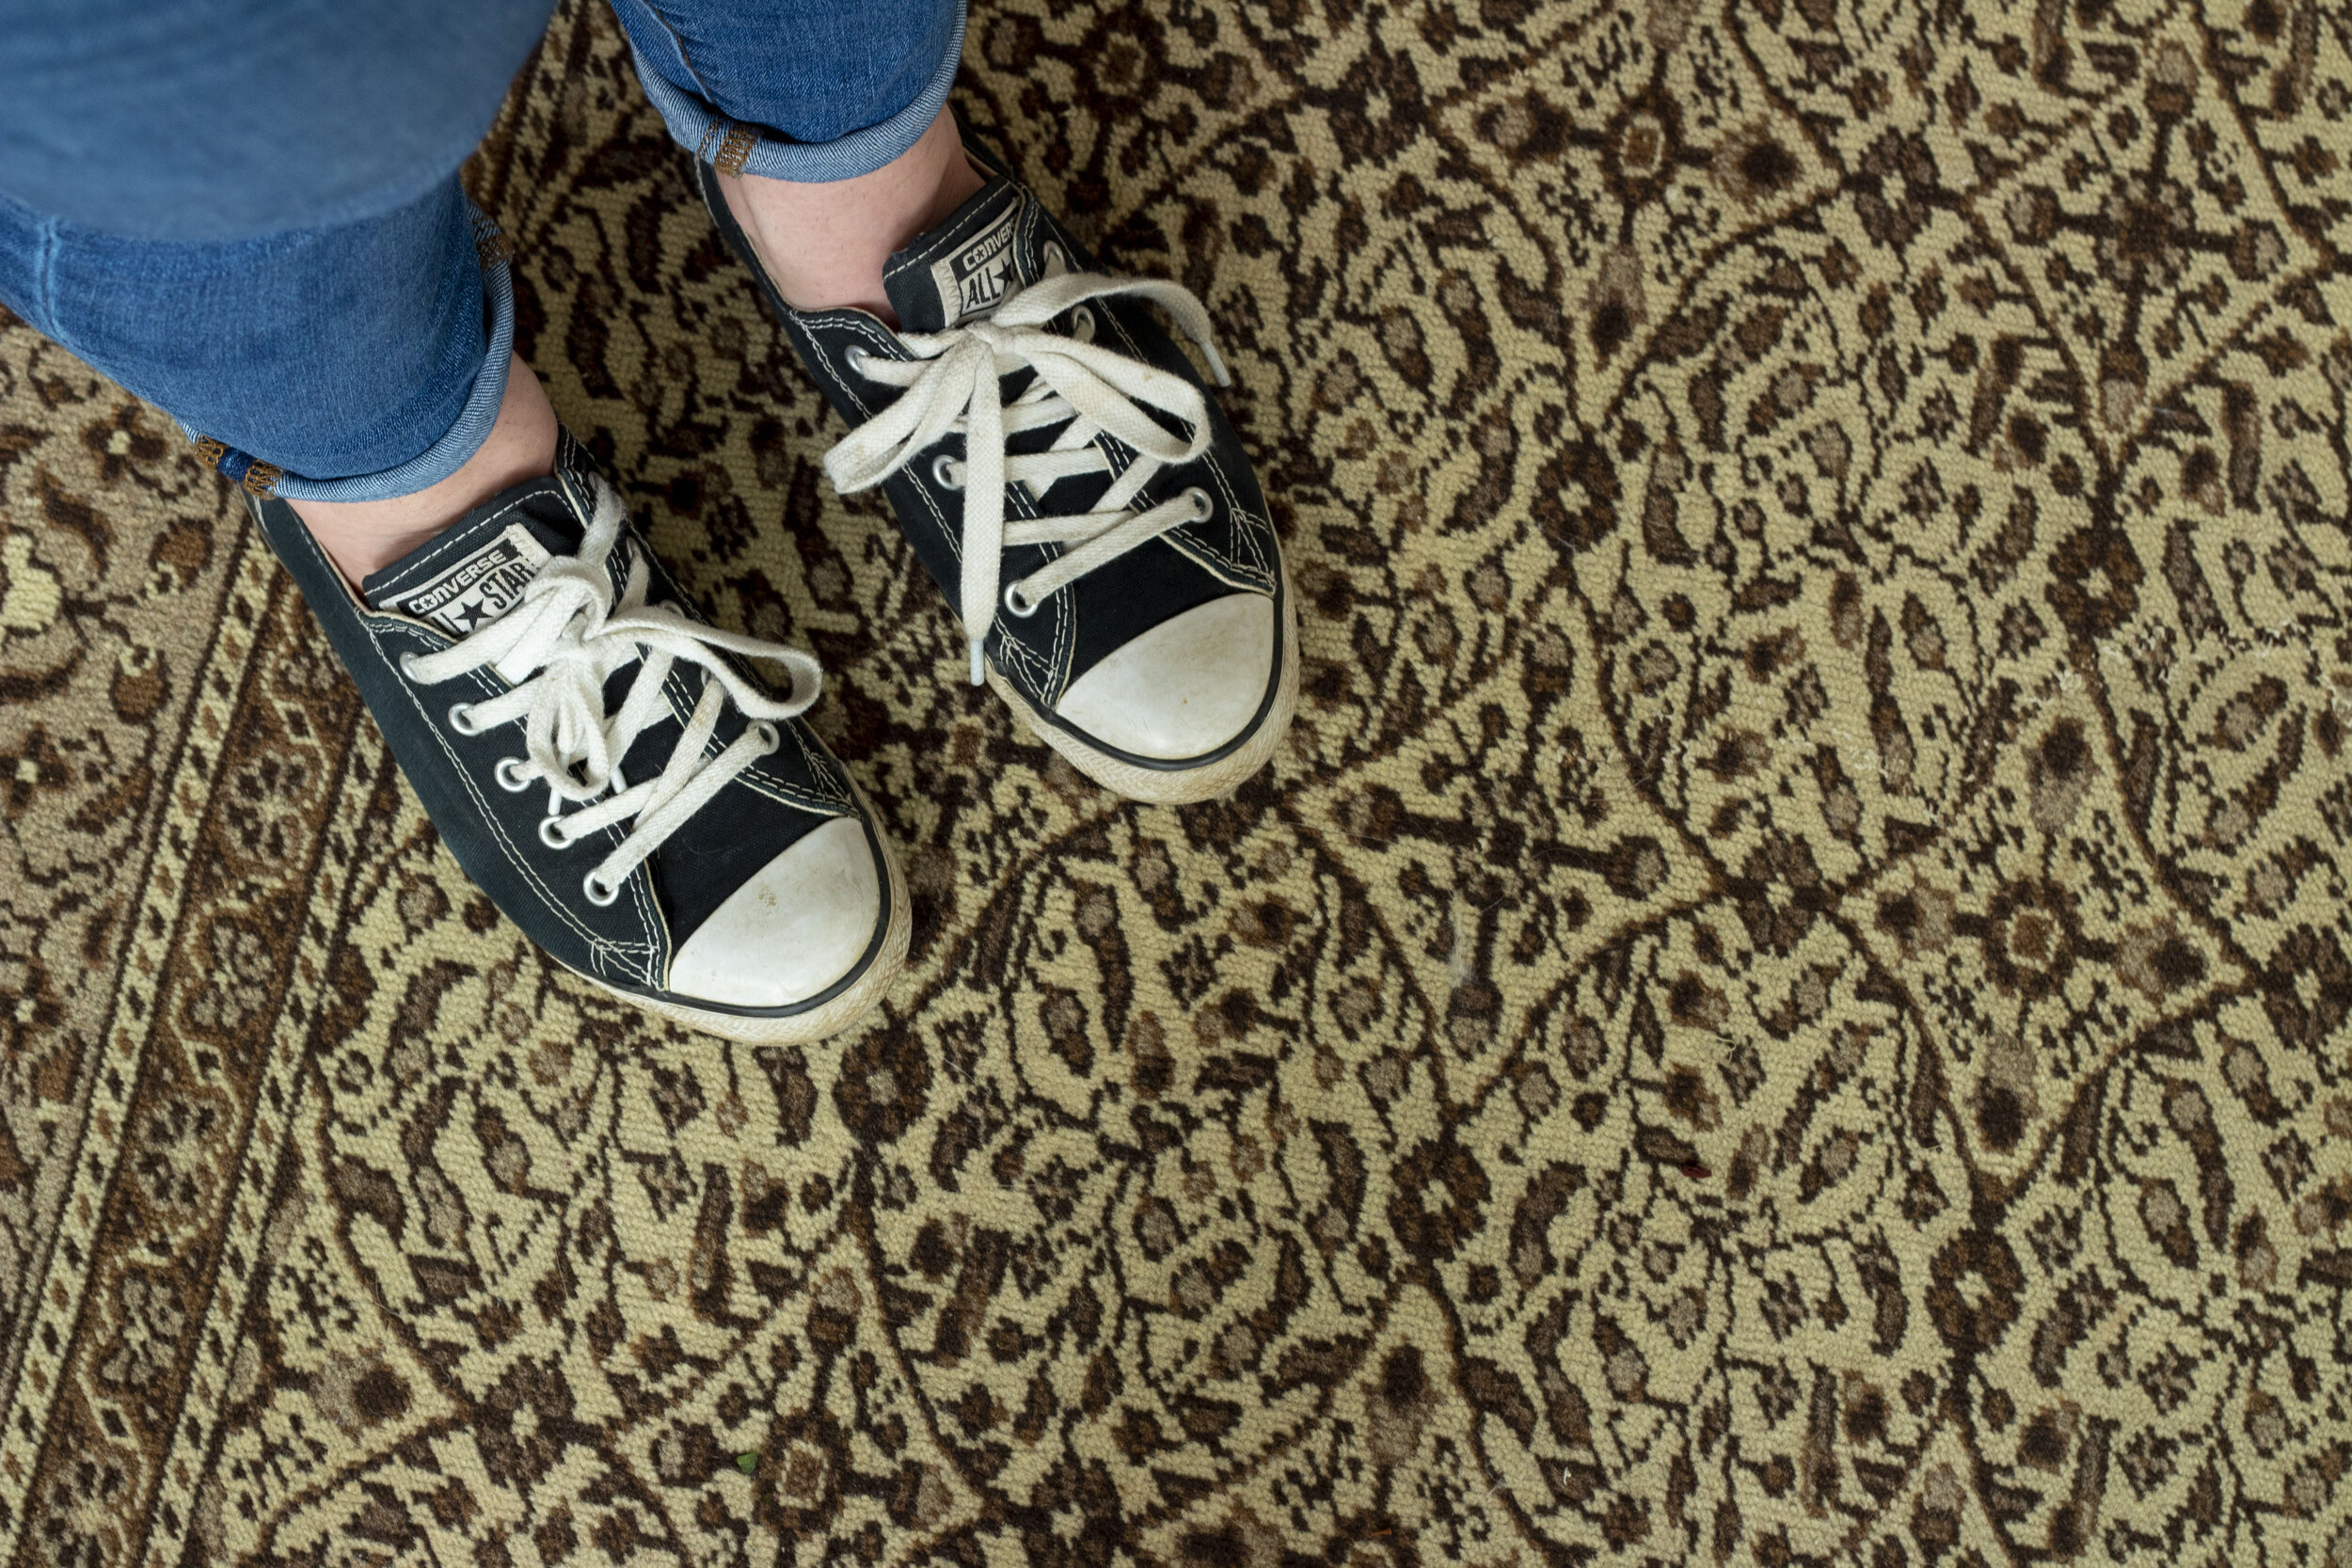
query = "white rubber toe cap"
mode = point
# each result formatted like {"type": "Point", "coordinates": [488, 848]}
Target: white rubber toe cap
{"type": "Point", "coordinates": [1184, 688]}
{"type": "Point", "coordinates": [799, 925]}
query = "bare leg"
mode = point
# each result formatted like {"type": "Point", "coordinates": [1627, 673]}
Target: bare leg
{"type": "Point", "coordinates": [361, 537]}
{"type": "Point", "coordinates": [825, 244]}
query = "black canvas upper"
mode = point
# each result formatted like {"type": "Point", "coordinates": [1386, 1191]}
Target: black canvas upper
{"type": "Point", "coordinates": [995, 243]}
{"type": "Point", "coordinates": [468, 575]}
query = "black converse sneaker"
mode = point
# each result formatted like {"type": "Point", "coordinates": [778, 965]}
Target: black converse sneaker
{"type": "Point", "coordinates": [1072, 487]}
{"type": "Point", "coordinates": [603, 768]}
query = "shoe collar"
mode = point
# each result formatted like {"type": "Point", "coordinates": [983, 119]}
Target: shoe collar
{"type": "Point", "coordinates": [474, 571]}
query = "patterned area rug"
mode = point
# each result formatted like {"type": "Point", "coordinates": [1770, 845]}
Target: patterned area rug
{"type": "Point", "coordinates": [1787, 1001]}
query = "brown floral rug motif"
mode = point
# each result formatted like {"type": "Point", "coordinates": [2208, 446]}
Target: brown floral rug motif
{"type": "Point", "coordinates": [1786, 1002]}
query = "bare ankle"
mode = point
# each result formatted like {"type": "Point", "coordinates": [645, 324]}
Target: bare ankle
{"type": "Point", "coordinates": [825, 244]}
{"type": "Point", "coordinates": [363, 537]}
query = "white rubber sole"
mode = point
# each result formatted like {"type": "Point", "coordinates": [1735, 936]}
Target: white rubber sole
{"type": "Point", "coordinates": [817, 1023]}
{"type": "Point", "coordinates": [1176, 786]}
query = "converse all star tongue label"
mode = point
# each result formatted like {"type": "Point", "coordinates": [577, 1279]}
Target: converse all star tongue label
{"type": "Point", "coordinates": [975, 278]}
{"type": "Point", "coordinates": [477, 589]}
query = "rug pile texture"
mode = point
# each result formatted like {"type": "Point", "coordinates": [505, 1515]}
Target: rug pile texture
{"type": "Point", "coordinates": [1786, 1002]}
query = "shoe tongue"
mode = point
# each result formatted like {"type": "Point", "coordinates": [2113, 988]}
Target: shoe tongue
{"type": "Point", "coordinates": [965, 268]}
{"type": "Point", "coordinates": [474, 571]}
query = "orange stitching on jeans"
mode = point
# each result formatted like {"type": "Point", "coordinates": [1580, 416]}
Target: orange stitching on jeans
{"type": "Point", "coordinates": [735, 149]}
{"type": "Point", "coordinates": [212, 452]}
{"type": "Point", "coordinates": [261, 479]}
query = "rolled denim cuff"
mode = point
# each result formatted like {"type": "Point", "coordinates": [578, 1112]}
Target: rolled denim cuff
{"type": "Point", "coordinates": [439, 461]}
{"type": "Point", "coordinates": [735, 148]}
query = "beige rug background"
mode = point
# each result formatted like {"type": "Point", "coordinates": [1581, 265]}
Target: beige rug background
{"type": "Point", "coordinates": [1787, 1001]}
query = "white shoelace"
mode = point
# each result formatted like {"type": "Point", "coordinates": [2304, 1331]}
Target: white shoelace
{"type": "Point", "coordinates": [951, 387]}
{"type": "Point", "coordinates": [557, 646]}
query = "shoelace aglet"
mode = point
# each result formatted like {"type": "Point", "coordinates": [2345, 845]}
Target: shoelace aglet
{"type": "Point", "coordinates": [978, 677]}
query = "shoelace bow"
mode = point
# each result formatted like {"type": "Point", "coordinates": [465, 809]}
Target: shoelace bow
{"type": "Point", "coordinates": [951, 387]}
{"type": "Point", "coordinates": [559, 645]}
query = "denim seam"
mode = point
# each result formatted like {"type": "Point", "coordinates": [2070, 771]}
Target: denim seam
{"type": "Point", "coordinates": [736, 140]}
{"type": "Point", "coordinates": [735, 148]}
{"type": "Point", "coordinates": [45, 288]}
{"type": "Point", "coordinates": [677, 43]}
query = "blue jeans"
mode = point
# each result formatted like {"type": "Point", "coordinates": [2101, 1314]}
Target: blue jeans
{"type": "Point", "coordinates": [247, 211]}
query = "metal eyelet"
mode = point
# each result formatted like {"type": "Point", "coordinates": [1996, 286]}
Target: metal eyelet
{"type": "Point", "coordinates": [591, 887]}
{"type": "Point", "coordinates": [1204, 508]}
{"type": "Point", "coordinates": [772, 738]}
{"type": "Point", "coordinates": [408, 668]}
{"type": "Point", "coordinates": [509, 775]}
{"type": "Point", "coordinates": [461, 719]}
{"type": "Point", "coordinates": [1016, 605]}
{"type": "Point", "coordinates": [1082, 324]}
{"type": "Point", "coordinates": [551, 834]}
{"type": "Point", "coordinates": [1056, 260]}
{"type": "Point", "coordinates": [856, 358]}
{"type": "Point", "coordinates": [947, 472]}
